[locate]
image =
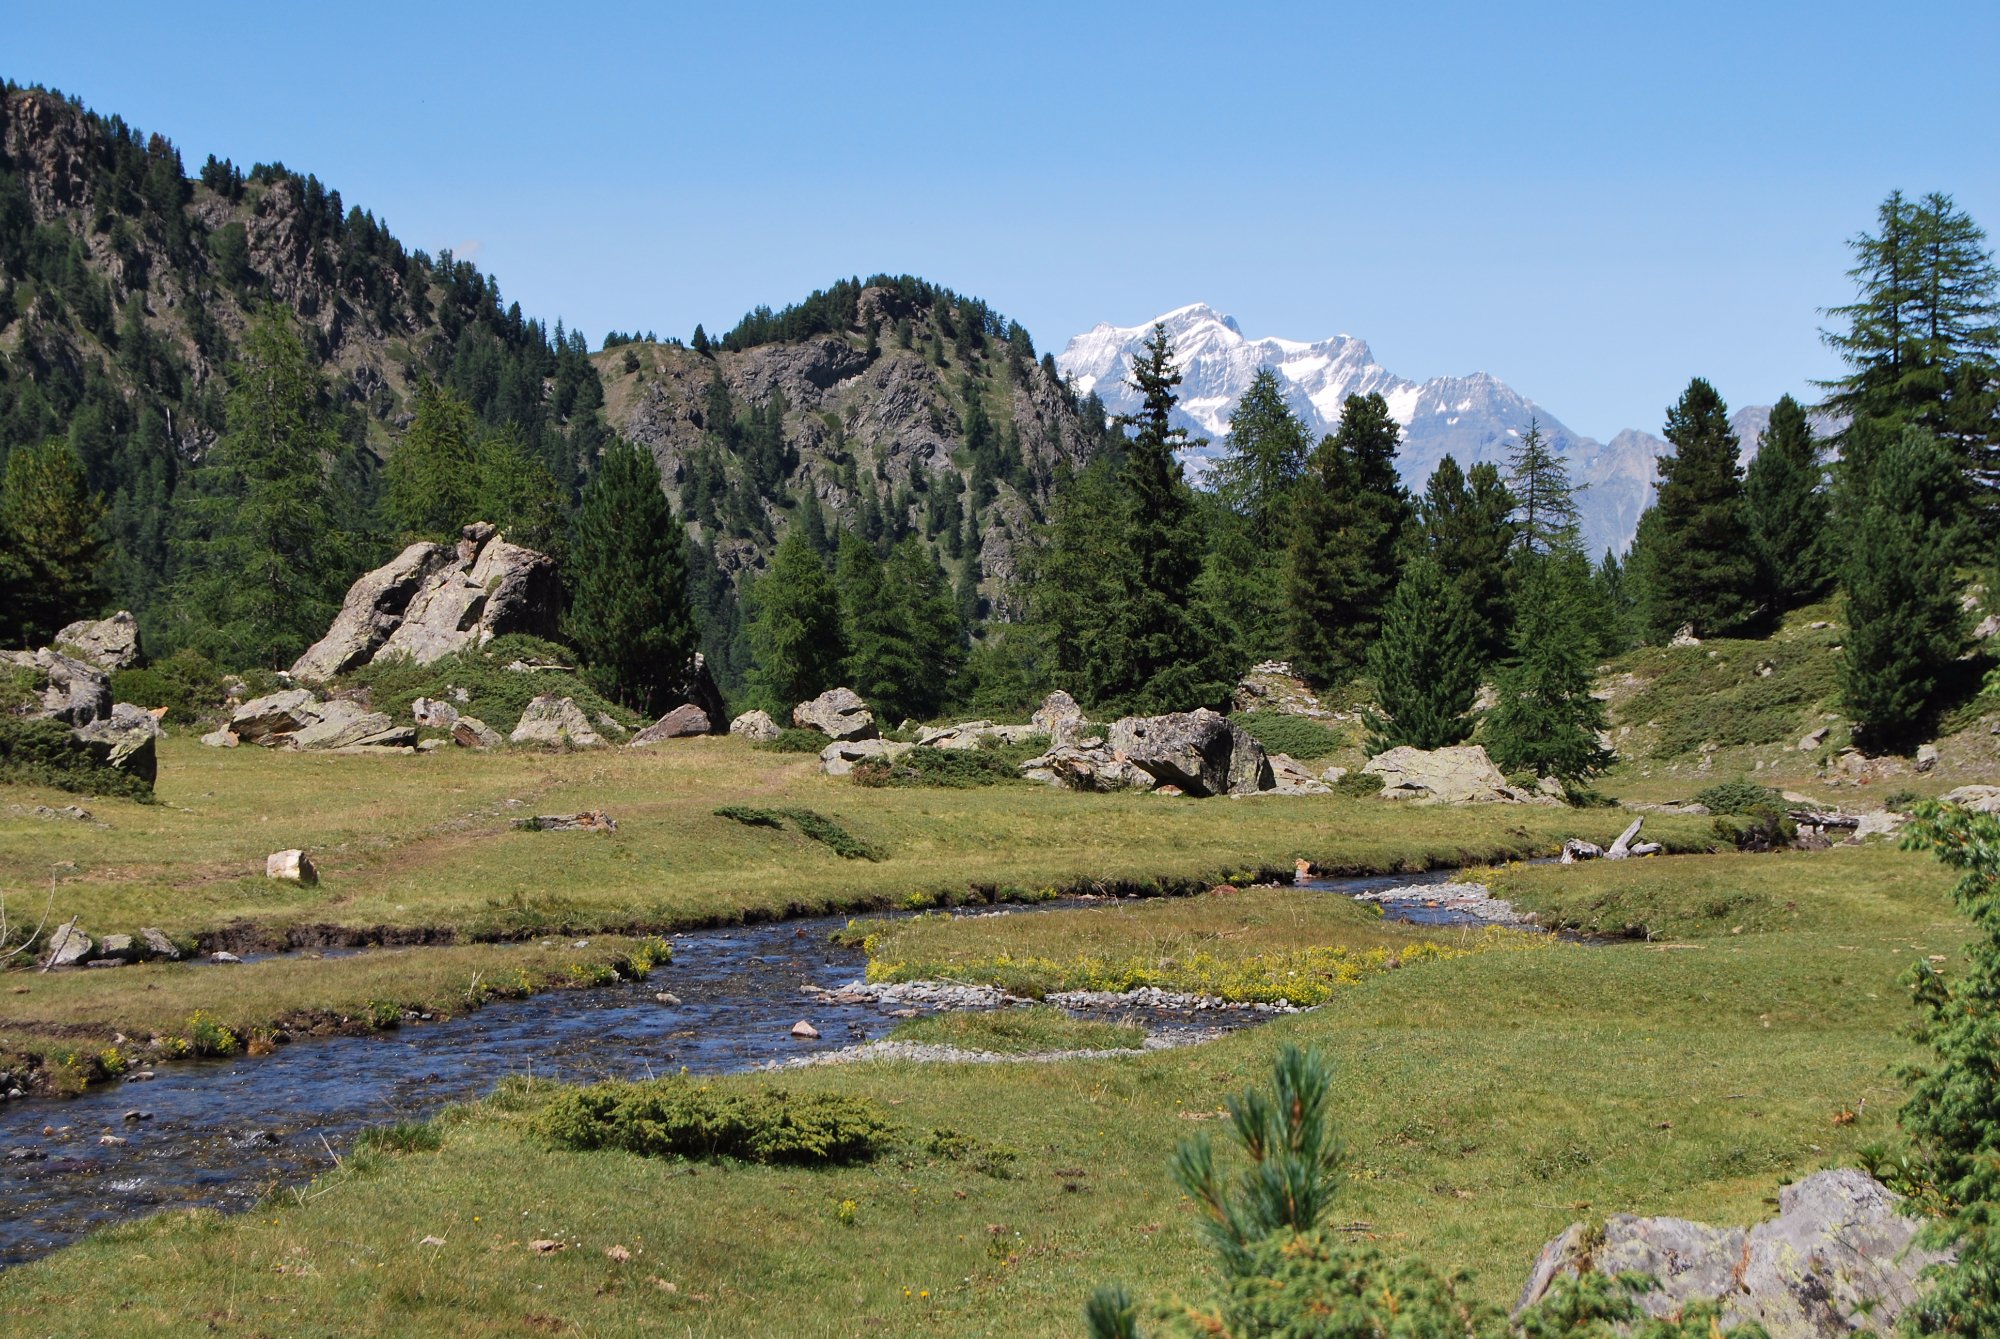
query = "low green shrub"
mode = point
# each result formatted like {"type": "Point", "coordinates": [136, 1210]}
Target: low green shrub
{"type": "Point", "coordinates": [46, 753]}
{"type": "Point", "coordinates": [794, 741]}
{"type": "Point", "coordinates": [1738, 797]}
{"type": "Point", "coordinates": [833, 836]}
{"type": "Point", "coordinates": [187, 683]}
{"type": "Point", "coordinates": [494, 693]}
{"type": "Point", "coordinates": [750, 817]}
{"type": "Point", "coordinates": [682, 1117]}
{"type": "Point", "coordinates": [1900, 801]}
{"type": "Point", "coordinates": [1362, 784]}
{"type": "Point", "coordinates": [952, 769]}
{"type": "Point", "coordinates": [1300, 736]}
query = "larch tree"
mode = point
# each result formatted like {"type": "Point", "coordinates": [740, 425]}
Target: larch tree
{"type": "Point", "coordinates": [797, 644]}
{"type": "Point", "coordinates": [1545, 511]}
{"type": "Point", "coordinates": [433, 474]}
{"type": "Point", "coordinates": [1546, 720]}
{"type": "Point", "coordinates": [628, 616]}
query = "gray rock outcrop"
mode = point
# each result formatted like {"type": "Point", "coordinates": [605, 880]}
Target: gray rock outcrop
{"type": "Point", "coordinates": [72, 691]}
{"type": "Point", "coordinates": [1086, 765]}
{"type": "Point", "coordinates": [1060, 718]}
{"type": "Point", "coordinates": [838, 713]}
{"type": "Point", "coordinates": [472, 733]}
{"type": "Point", "coordinates": [1979, 799]}
{"type": "Point", "coordinates": [555, 722]}
{"type": "Point", "coordinates": [1200, 752]}
{"type": "Point", "coordinates": [971, 734]}
{"type": "Point", "coordinates": [697, 689]}
{"type": "Point", "coordinates": [1291, 777]}
{"type": "Point", "coordinates": [125, 739]}
{"type": "Point", "coordinates": [683, 722]}
{"type": "Point", "coordinates": [293, 866]}
{"type": "Point", "coordinates": [1461, 774]}
{"type": "Point", "coordinates": [432, 714]}
{"type": "Point", "coordinates": [68, 946]}
{"type": "Point", "coordinates": [839, 758]}
{"type": "Point", "coordinates": [1836, 1261]}
{"type": "Point", "coordinates": [267, 719]}
{"type": "Point", "coordinates": [1271, 686]}
{"type": "Point", "coordinates": [342, 724]}
{"type": "Point", "coordinates": [109, 644]}
{"type": "Point", "coordinates": [372, 611]}
{"type": "Point", "coordinates": [755, 726]}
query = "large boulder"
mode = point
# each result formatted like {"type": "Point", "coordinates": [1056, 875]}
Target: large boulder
{"type": "Point", "coordinates": [472, 733]}
{"type": "Point", "coordinates": [1271, 686]}
{"type": "Point", "coordinates": [110, 644]}
{"type": "Point", "coordinates": [1060, 718]}
{"type": "Point", "coordinates": [1979, 799]}
{"type": "Point", "coordinates": [1836, 1261]}
{"type": "Point", "coordinates": [839, 758]}
{"type": "Point", "coordinates": [1462, 774]}
{"type": "Point", "coordinates": [1088, 765]}
{"type": "Point", "coordinates": [556, 722]}
{"type": "Point", "coordinates": [838, 713]}
{"type": "Point", "coordinates": [72, 691]}
{"type": "Point", "coordinates": [274, 716]}
{"type": "Point", "coordinates": [1291, 777]}
{"type": "Point", "coordinates": [972, 734]}
{"type": "Point", "coordinates": [755, 726]}
{"type": "Point", "coordinates": [125, 739]}
{"type": "Point", "coordinates": [683, 722]}
{"type": "Point", "coordinates": [372, 610]}
{"type": "Point", "coordinates": [697, 689]}
{"type": "Point", "coordinates": [341, 724]}
{"type": "Point", "coordinates": [1199, 751]}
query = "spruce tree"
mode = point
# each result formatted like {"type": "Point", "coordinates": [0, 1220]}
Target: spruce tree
{"type": "Point", "coordinates": [434, 473]}
{"type": "Point", "coordinates": [1545, 513]}
{"type": "Point", "coordinates": [1341, 565]}
{"type": "Point", "coordinates": [797, 645]}
{"type": "Point", "coordinates": [1077, 583]}
{"type": "Point", "coordinates": [51, 543]}
{"type": "Point", "coordinates": [1468, 529]}
{"type": "Point", "coordinates": [1425, 663]}
{"type": "Point", "coordinates": [937, 635]}
{"type": "Point", "coordinates": [1786, 505]}
{"type": "Point", "coordinates": [1905, 628]}
{"type": "Point", "coordinates": [264, 555]}
{"type": "Point", "coordinates": [1265, 454]}
{"type": "Point", "coordinates": [875, 624]}
{"type": "Point", "coordinates": [1704, 572]}
{"type": "Point", "coordinates": [1546, 721]}
{"type": "Point", "coordinates": [628, 616]}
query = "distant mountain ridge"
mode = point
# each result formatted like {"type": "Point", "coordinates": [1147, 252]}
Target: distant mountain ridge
{"type": "Point", "coordinates": [1473, 418]}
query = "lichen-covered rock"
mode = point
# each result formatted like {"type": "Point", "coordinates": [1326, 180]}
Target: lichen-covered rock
{"type": "Point", "coordinates": [683, 722]}
{"type": "Point", "coordinates": [971, 734]}
{"type": "Point", "coordinates": [341, 724]}
{"type": "Point", "coordinates": [556, 722]}
{"type": "Point", "coordinates": [472, 733]}
{"type": "Point", "coordinates": [1291, 777]}
{"type": "Point", "coordinates": [433, 714]}
{"type": "Point", "coordinates": [1200, 752]}
{"type": "Point", "coordinates": [67, 947]}
{"type": "Point", "coordinates": [1087, 765]}
{"type": "Point", "coordinates": [839, 757]}
{"type": "Point", "coordinates": [490, 588]}
{"type": "Point", "coordinates": [125, 739]}
{"type": "Point", "coordinates": [755, 726]}
{"type": "Point", "coordinates": [838, 713]}
{"type": "Point", "coordinates": [372, 611]}
{"type": "Point", "coordinates": [1060, 718]}
{"type": "Point", "coordinates": [1836, 1261]}
{"type": "Point", "coordinates": [1271, 686]}
{"type": "Point", "coordinates": [109, 644]}
{"type": "Point", "coordinates": [1461, 774]}
{"type": "Point", "coordinates": [72, 691]}
{"type": "Point", "coordinates": [268, 719]}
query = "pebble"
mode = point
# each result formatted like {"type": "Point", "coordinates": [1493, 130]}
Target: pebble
{"type": "Point", "coordinates": [112, 1140]}
{"type": "Point", "coordinates": [223, 955]}
{"type": "Point", "coordinates": [138, 1115]}
{"type": "Point", "coordinates": [805, 1030]}
{"type": "Point", "coordinates": [666, 997]}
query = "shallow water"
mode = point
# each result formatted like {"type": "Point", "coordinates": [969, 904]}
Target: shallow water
{"type": "Point", "coordinates": [220, 1133]}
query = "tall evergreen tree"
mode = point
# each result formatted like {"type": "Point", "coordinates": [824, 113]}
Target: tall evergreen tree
{"type": "Point", "coordinates": [881, 642]}
{"type": "Point", "coordinates": [1468, 529]}
{"type": "Point", "coordinates": [1545, 512]}
{"type": "Point", "coordinates": [434, 474]}
{"type": "Point", "coordinates": [628, 616]}
{"type": "Point", "coordinates": [1546, 721]}
{"type": "Point", "coordinates": [1425, 663]}
{"type": "Point", "coordinates": [937, 636]}
{"type": "Point", "coordinates": [516, 492]}
{"type": "Point", "coordinates": [1905, 628]}
{"type": "Point", "coordinates": [1786, 505]}
{"type": "Point", "coordinates": [264, 557]}
{"type": "Point", "coordinates": [1341, 565]}
{"type": "Point", "coordinates": [1077, 583]}
{"type": "Point", "coordinates": [51, 543]}
{"type": "Point", "coordinates": [1704, 572]}
{"type": "Point", "coordinates": [1265, 454]}
{"type": "Point", "coordinates": [796, 639]}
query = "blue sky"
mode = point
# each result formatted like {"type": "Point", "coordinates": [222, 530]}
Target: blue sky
{"type": "Point", "coordinates": [1592, 201]}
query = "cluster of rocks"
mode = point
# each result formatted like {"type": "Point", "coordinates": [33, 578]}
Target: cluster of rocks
{"type": "Point", "coordinates": [1152, 997]}
{"type": "Point", "coordinates": [1462, 774]}
{"type": "Point", "coordinates": [1465, 901]}
{"type": "Point", "coordinates": [937, 1053]}
{"type": "Point", "coordinates": [1838, 1260]}
{"type": "Point", "coordinates": [69, 947]}
{"type": "Point", "coordinates": [73, 684]}
{"type": "Point", "coordinates": [298, 718]}
{"type": "Point", "coordinates": [1272, 686]}
{"type": "Point", "coordinates": [924, 994]}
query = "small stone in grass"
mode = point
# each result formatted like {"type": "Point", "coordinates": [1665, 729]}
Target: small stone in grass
{"type": "Point", "coordinates": [618, 1255]}
{"type": "Point", "coordinates": [544, 1246]}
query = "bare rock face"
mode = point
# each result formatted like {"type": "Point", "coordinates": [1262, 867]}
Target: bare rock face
{"type": "Point", "coordinates": [433, 714]}
{"type": "Point", "coordinates": [1060, 718]}
{"type": "Point", "coordinates": [971, 734]}
{"type": "Point", "coordinates": [372, 611]}
{"type": "Point", "coordinates": [1088, 765]}
{"type": "Point", "coordinates": [839, 758]}
{"type": "Point", "coordinates": [1462, 774]}
{"type": "Point", "coordinates": [109, 644]}
{"type": "Point", "coordinates": [1271, 686]}
{"type": "Point", "coordinates": [341, 724]}
{"type": "Point", "coordinates": [1979, 799]}
{"type": "Point", "coordinates": [1199, 752]}
{"type": "Point", "coordinates": [1836, 1261]}
{"type": "Point", "coordinates": [1291, 777]}
{"type": "Point", "coordinates": [125, 739]}
{"type": "Point", "coordinates": [683, 722]}
{"type": "Point", "coordinates": [755, 726]}
{"type": "Point", "coordinates": [292, 866]}
{"type": "Point", "coordinates": [265, 720]}
{"type": "Point", "coordinates": [73, 692]}
{"type": "Point", "coordinates": [838, 713]}
{"type": "Point", "coordinates": [472, 733]}
{"type": "Point", "coordinates": [556, 722]}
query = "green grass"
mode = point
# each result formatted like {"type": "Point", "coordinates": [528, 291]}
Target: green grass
{"type": "Point", "coordinates": [1486, 1102]}
{"type": "Point", "coordinates": [496, 694]}
{"type": "Point", "coordinates": [1030, 1030]}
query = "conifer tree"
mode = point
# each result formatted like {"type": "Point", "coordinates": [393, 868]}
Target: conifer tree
{"type": "Point", "coordinates": [796, 640]}
{"type": "Point", "coordinates": [51, 543]}
{"type": "Point", "coordinates": [1786, 506]}
{"type": "Point", "coordinates": [1546, 721]}
{"type": "Point", "coordinates": [1905, 628]}
{"type": "Point", "coordinates": [628, 616]}
{"type": "Point", "coordinates": [1342, 560]}
{"type": "Point", "coordinates": [1265, 454]}
{"type": "Point", "coordinates": [937, 636]}
{"type": "Point", "coordinates": [434, 473]}
{"type": "Point", "coordinates": [1468, 529]}
{"type": "Point", "coordinates": [1545, 513]}
{"type": "Point", "coordinates": [881, 650]}
{"type": "Point", "coordinates": [1703, 572]}
{"type": "Point", "coordinates": [264, 558]}
{"type": "Point", "coordinates": [517, 493]}
{"type": "Point", "coordinates": [1078, 581]}
{"type": "Point", "coordinates": [1425, 663]}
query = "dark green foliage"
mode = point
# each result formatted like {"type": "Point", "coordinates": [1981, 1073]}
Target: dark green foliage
{"type": "Point", "coordinates": [51, 542]}
{"type": "Point", "coordinates": [517, 493]}
{"type": "Point", "coordinates": [1545, 514]}
{"type": "Point", "coordinates": [1424, 663]}
{"type": "Point", "coordinates": [901, 624]}
{"type": "Point", "coordinates": [796, 629]}
{"type": "Point", "coordinates": [950, 769]}
{"type": "Point", "coordinates": [1342, 561]}
{"type": "Point", "coordinates": [628, 614]}
{"type": "Point", "coordinates": [46, 753]}
{"type": "Point", "coordinates": [1300, 737]}
{"type": "Point", "coordinates": [1737, 797]}
{"type": "Point", "coordinates": [1546, 721]}
{"type": "Point", "coordinates": [833, 836]}
{"type": "Point", "coordinates": [750, 817]}
{"type": "Point", "coordinates": [794, 740]}
{"type": "Point", "coordinates": [1077, 580]}
{"type": "Point", "coordinates": [1702, 567]}
{"type": "Point", "coordinates": [1905, 626]}
{"type": "Point", "coordinates": [1265, 455]}
{"type": "Point", "coordinates": [688, 1118]}
{"type": "Point", "coordinates": [433, 474]}
{"type": "Point", "coordinates": [1360, 785]}
{"type": "Point", "coordinates": [494, 693]}
{"type": "Point", "coordinates": [1468, 528]}
{"type": "Point", "coordinates": [187, 683]}
{"type": "Point", "coordinates": [1784, 493]}
{"type": "Point", "coordinates": [1761, 827]}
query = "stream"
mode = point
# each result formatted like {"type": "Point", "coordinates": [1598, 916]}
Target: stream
{"type": "Point", "coordinates": [221, 1133]}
